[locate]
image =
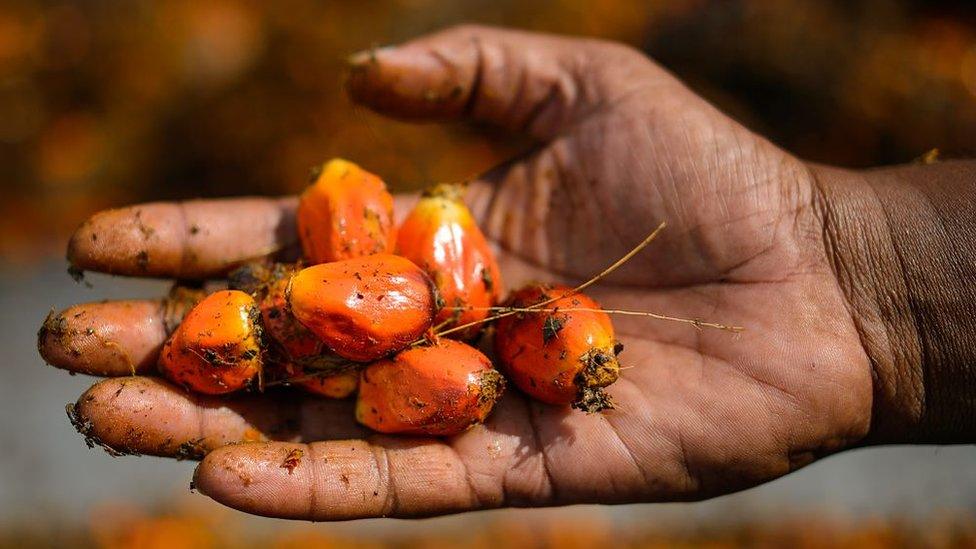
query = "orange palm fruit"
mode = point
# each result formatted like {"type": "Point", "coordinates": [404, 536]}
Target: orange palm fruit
{"type": "Point", "coordinates": [290, 346]}
{"type": "Point", "coordinates": [295, 344]}
{"type": "Point", "coordinates": [440, 389]}
{"type": "Point", "coordinates": [298, 346]}
{"type": "Point", "coordinates": [441, 236]}
{"type": "Point", "coordinates": [293, 341]}
{"type": "Point", "coordinates": [364, 308]}
{"type": "Point", "coordinates": [217, 348]}
{"type": "Point", "coordinates": [345, 213]}
{"type": "Point", "coordinates": [559, 356]}
{"type": "Point", "coordinates": [339, 384]}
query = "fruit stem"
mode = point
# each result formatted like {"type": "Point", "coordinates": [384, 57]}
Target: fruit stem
{"type": "Point", "coordinates": [693, 321]}
{"type": "Point", "coordinates": [447, 191]}
{"type": "Point", "coordinates": [616, 265]}
{"type": "Point", "coordinates": [304, 377]}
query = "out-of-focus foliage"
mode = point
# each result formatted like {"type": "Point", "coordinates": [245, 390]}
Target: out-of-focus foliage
{"type": "Point", "coordinates": [109, 102]}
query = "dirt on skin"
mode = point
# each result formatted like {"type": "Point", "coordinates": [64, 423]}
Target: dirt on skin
{"type": "Point", "coordinates": [62, 332]}
{"type": "Point", "coordinates": [292, 460]}
{"type": "Point", "coordinates": [193, 450]}
{"type": "Point", "coordinates": [85, 427]}
{"type": "Point", "coordinates": [56, 326]}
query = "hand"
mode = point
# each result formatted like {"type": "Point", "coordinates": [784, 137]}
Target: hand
{"type": "Point", "coordinates": [622, 146]}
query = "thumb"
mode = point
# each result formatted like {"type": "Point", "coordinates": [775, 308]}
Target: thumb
{"type": "Point", "coordinates": [535, 83]}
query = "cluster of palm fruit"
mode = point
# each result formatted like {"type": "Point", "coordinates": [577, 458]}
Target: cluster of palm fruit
{"type": "Point", "coordinates": [394, 314]}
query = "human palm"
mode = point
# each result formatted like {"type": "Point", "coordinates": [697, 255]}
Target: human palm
{"type": "Point", "coordinates": [622, 147]}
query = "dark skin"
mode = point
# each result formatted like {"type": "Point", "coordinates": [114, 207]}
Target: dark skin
{"type": "Point", "coordinates": [851, 287]}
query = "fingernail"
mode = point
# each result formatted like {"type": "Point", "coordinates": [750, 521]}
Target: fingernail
{"type": "Point", "coordinates": [365, 58]}
{"type": "Point", "coordinates": [195, 481]}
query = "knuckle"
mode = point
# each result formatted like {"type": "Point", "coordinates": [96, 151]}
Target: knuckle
{"type": "Point", "coordinates": [620, 53]}
{"type": "Point", "coordinates": [466, 31]}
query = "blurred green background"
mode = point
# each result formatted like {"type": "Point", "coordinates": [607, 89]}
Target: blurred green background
{"type": "Point", "coordinates": [104, 103]}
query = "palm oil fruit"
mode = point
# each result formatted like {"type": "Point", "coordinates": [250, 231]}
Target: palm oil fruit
{"type": "Point", "coordinates": [292, 352]}
{"type": "Point", "coordinates": [292, 342]}
{"type": "Point", "coordinates": [364, 308]}
{"type": "Point", "coordinates": [440, 389]}
{"type": "Point", "coordinates": [441, 236]}
{"type": "Point", "coordinates": [217, 347]}
{"type": "Point", "coordinates": [340, 383]}
{"type": "Point", "coordinates": [293, 346]}
{"type": "Point", "coordinates": [559, 355]}
{"type": "Point", "coordinates": [345, 213]}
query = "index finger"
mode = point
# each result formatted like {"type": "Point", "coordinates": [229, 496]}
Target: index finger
{"type": "Point", "coordinates": [193, 239]}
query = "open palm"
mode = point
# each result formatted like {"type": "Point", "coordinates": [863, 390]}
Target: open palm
{"type": "Point", "coordinates": [622, 147]}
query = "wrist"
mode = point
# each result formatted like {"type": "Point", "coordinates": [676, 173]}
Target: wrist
{"type": "Point", "coordinates": [899, 242]}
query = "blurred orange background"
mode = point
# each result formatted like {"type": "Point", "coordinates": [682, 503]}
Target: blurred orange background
{"type": "Point", "coordinates": [104, 103]}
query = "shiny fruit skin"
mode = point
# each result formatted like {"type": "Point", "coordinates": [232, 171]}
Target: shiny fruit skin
{"type": "Point", "coordinates": [440, 389]}
{"type": "Point", "coordinates": [297, 345]}
{"type": "Point", "coordinates": [441, 236]}
{"type": "Point", "coordinates": [345, 213]}
{"type": "Point", "coordinates": [364, 308]}
{"type": "Point", "coordinates": [217, 348]}
{"type": "Point", "coordinates": [293, 340]}
{"type": "Point", "coordinates": [291, 349]}
{"type": "Point", "coordinates": [561, 357]}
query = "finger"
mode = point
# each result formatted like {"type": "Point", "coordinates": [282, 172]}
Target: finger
{"type": "Point", "coordinates": [121, 338]}
{"type": "Point", "coordinates": [491, 465]}
{"type": "Point", "coordinates": [113, 338]}
{"type": "Point", "coordinates": [192, 239]}
{"type": "Point", "coordinates": [116, 338]}
{"type": "Point", "coordinates": [383, 477]}
{"type": "Point", "coordinates": [403, 203]}
{"type": "Point", "coordinates": [531, 82]}
{"type": "Point", "coordinates": [143, 415]}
